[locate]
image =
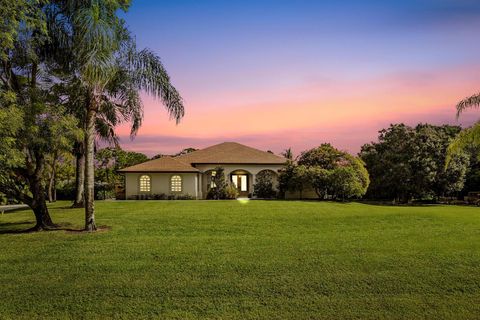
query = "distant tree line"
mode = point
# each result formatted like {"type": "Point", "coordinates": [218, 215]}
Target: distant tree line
{"type": "Point", "coordinates": [410, 163]}
{"type": "Point", "coordinates": [405, 164]}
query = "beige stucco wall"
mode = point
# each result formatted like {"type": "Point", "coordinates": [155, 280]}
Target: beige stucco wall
{"type": "Point", "coordinates": [161, 181]}
{"type": "Point", "coordinates": [253, 169]}
{"type": "Point", "coordinates": [161, 184]}
{"type": "Point", "coordinates": [229, 168]}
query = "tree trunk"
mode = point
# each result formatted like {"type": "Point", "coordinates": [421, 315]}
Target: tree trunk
{"type": "Point", "coordinates": [42, 216]}
{"type": "Point", "coordinates": [50, 187]}
{"type": "Point", "coordinates": [52, 181]}
{"type": "Point", "coordinates": [54, 184]}
{"type": "Point", "coordinates": [90, 171]}
{"type": "Point", "coordinates": [39, 203]}
{"type": "Point", "coordinates": [79, 179]}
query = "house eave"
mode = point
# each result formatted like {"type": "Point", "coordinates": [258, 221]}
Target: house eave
{"type": "Point", "coordinates": [241, 163]}
{"type": "Point", "coordinates": [158, 171]}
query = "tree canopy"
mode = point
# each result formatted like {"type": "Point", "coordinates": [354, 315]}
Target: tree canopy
{"type": "Point", "coordinates": [409, 163]}
{"type": "Point", "coordinates": [330, 172]}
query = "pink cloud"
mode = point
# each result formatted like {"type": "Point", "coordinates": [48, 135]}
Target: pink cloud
{"type": "Point", "coordinates": [342, 111]}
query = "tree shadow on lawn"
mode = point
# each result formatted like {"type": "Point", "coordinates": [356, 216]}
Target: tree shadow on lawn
{"type": "Point", "coordinates": [399, 204]}
{"type": "Point", "coordinates": [379, 203]}
{"type": "Point", "coordinates": [6, 227]}
{"type": "Point", "coordinates": [10, 228]}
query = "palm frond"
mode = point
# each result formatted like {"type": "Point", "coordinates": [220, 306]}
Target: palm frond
{"type": "Point", "coordinates": [470, 102]}
{"type": "Point", "coordinates": [96, 39]}
{"type": "Point", "coordinates": [149, 75]}
{"type": "Point", "coordinates": [105, 131]}
{"type": "Point", "coordinates": [467, 138]}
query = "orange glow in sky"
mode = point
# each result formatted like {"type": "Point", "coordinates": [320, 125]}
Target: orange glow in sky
{"type": "Point", "coordinates": [280, 74]}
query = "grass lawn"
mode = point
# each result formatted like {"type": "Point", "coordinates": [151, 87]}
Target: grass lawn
{"type": "Point", "coordinates": [260, 260]}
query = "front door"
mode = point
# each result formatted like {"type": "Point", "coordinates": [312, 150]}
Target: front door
{"type": "Point", "coordinates": [240, 181]}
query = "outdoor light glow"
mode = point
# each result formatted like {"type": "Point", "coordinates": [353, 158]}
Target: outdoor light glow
{"type": "Point", "coordinates": [243, 200]}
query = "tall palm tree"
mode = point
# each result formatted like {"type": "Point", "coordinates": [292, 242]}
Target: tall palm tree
{"type": "Point", "coordinates": [113, 72]}
{"type": "Point", "coordinates": [469, 137]}
{"type": "Point", "coordinates": [75, 101]}
{"type": "Point", "coordinates": [288, 154]}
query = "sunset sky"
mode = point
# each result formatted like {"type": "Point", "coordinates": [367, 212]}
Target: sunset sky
{"type": "Point", "coordinates": [278, 74]}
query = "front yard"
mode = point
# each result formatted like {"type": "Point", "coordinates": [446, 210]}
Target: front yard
{"type": "Point", "coordinates": [254, 260]}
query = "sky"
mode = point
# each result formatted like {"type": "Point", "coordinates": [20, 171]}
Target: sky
{"type": "Point", "coordinates": [275, 74]}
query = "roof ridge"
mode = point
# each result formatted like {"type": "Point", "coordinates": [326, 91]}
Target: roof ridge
{"type": "Point", "coordinates": [203, 155]}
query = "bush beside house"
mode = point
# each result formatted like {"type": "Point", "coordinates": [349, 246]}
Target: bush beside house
{"type": "Point", "coordinates": [220, 189]}
{"type": "Point", "coordinates": [264, 185]}
{"type": "Point", "coordinates": [331, 173]}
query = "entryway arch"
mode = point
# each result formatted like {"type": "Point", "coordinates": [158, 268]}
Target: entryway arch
{"type": "Point", "coordinates": [242, 180]}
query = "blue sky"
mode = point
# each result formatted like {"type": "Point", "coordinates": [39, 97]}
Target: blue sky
{"type": "Point", "coordinates": [232, 57]}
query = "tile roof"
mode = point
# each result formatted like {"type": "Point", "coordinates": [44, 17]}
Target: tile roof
{"type": "Point", "coordinates": [164, 164]}
{"type": "Point", "coordinates": [231, 152]}
{"type": "Point", "coordinates": [223, 153]}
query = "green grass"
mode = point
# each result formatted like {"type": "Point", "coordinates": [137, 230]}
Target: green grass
{"type": "Point", "coordinates": [260, 260]}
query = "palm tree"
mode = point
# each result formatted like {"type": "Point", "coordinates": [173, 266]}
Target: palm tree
{"type": "Point", "coordinates": [75, 95]}
{"type": "Point", "coordinates": [288, 154]}
{"type": "Point", "coordinates": [469, 137]}
{"type": "Point", "coordinates": [113, 72]}
{"type": "Point", "coordinates": [468, 103]}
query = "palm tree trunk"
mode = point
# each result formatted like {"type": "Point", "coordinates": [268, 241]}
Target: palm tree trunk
{"type": "Point", "coordinates": [90, 171]}
{"type": "Point", "coordinates": [79, 179]}
{"type": "Point", "coordinates": [55, 181]}
{"type": "Point", "coordinates": [52, 181]}
{"type": "Point", "coordinates": [50, 187]}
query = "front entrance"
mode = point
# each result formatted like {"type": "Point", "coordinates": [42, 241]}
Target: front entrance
{"type": "Point", "coordinates": [240, 181]}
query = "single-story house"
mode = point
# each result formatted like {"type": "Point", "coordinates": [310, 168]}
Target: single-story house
{"type": "Point", "coordinates": [191, 173]}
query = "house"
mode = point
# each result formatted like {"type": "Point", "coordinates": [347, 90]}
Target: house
{"type": "Point", "coordinates": [191, 174]}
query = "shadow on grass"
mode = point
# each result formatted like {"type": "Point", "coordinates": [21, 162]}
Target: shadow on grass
{"type": "Point", "coordinates": [64, 208]}
{"type": "Point", "coordinates": [10, 211]}
{"type": "Point", "coordinates": [6, 227]}
{"type": "Point", "coordinates": [399, 204]}
{"type": "Point", "coordinates": [380, 203]}
{"type": "Point", "coordinates": [10, 228]}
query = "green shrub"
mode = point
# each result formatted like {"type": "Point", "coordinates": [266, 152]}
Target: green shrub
{"type": "Point", "coordinates": [219, 191]}
{"type": "Point", "coordinates": [263, 187]}
{"type": "Point", "coordinates": [331, 173]}
{"type": "Point", "coordinates": [231, 192]}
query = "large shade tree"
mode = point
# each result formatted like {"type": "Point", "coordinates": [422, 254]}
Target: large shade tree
{"type": "Point", "coordinates": [409, 163]}
{"type": "Point", "coordinates": [111, 71]}
{"type": "Point", "coordinates": [331, 173]}
{"type": "Point", "coordinates": [334, 173]}
{"type": "Point", "coordinates": [33, 125]}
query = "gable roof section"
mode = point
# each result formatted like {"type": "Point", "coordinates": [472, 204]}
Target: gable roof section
{"type": "Point", "coordinates": [164, 164]}
{"type": "Point", "coordinates": [231, 152]}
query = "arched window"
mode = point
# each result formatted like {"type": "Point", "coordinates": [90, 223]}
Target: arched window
{"type": "Point", "coordinates": [176, 184]}
{"type": "Point", "coordinates": [212, 179]}
{"type": "Point", "coordinates": [145, 183]}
